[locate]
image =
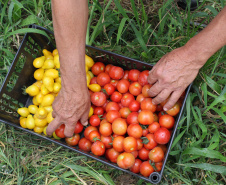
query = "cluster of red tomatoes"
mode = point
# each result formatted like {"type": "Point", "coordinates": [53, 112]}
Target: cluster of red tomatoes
{"type": "Point", "coordinates": [125, 126]}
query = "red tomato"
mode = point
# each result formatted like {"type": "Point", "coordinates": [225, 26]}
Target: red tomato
{"type": "Point", "coordinates": [145, 132]}
{"type": "Point", "coordinates": [124, 112]}
{"type": "Point", "coordinates": [116, 73]}
{"type": "Point", "coordinates": [103, 79]}
{"type": "Point", "coordinates": [78, 128]}
{"type": "Point", "coordinates": [98, 111]}
{"type": "Point", "coordinates": [85, 144]}
{"type": "Point", "coordinates": [98, 99]}
{"type": "Point", "coordinates": [98, 148]}
{"type": "Point", "coordinates": [129, 144]}
{"type": "Point", "coordinates": [143, 154]}
{"type": "Point", "coordinates": [120, 105]}
{"type": "Point", "coordinates": [152, 143]}
{"type": "Point", "coordinates": [152, 128]}
{"type": "Point", "coordinates": [139, 144]}
{"type": "Point", "coordinates": [158, 166]}
{"type": "Point", "coordinates": [134, 106]}
{"type": "Point", "coordinates": [123, 86]}
{"type": "Point", "coordinates": [136, 167]}
{"type": "Point", "coordinates": [135, 88]}
{"type": "Point", "coordinates": [94, 120]}
{"type": "Point", "coordinates": [112, 115]}
{"type": "Point", "coordinates": [161, 113]}
{"type": "Point", "coordinates": [135, 153]}
{"type": "Point", "coordinates": [90, 93]}
{"type": "Point", "coordinates": [108, 67]}
{"type": "Point", "coordinates": [125, 160]}
{"type": "Point", "coordinates": [147, 104]}
{"type": "Point", "coordinates": [166, 121]}
{"type": "Point", "coordinates": [126, 99]}
{"type": "Point", "coordinates": [114, 83]}
{"type": "Point", "coordinates": [159, 108]}
{"type": "Point", "coordinates": [88, 130]}
{"type": "Point", "coordinates": [145, 90]}
{"type": "Point", "coordinates": [93, 80]}
{"type": "Point", "coordinates": [103, 121]}
{"type": "Point", "coordinates": [119, 126]}
{"type": "Point", "coordinates": [163, 147]}
{"type": "Point", "coordinates": [156, 118]}
{"type": "Point", "coordinates": [162, 136]}
{"type": "Point", "coordinates": [105, 129]}
{"type": "Point", "coordinates": [174, 110]}
{"type": "Point", "coordinates": [133, 75]}
{"type": "Point", "coordinates": [97, 68]}
{"type": "Point", "coordinates": [112, 106]}
{"type": "Point", "coordinates": [146, 169]}
{"type": "Point", "coordinates": [105, 104]}
{"type": "Point", "coordinates": [94, 135]}
{"type": "Point", "coordinates": [145, 117]}
{"type": "Point", "coordinates": [107, 140]}
{"type": "Point", "coordinates": [118, 143]}
{"type": "Point", "coordinates": [143, 78]}
{"type": "Point", "coordinates": [126, 75]}
{"type": "Point", "coordinates": [164, 102]}
{"type": "Point", "coordinates": [140, 98]}
{"type": "Point", "coordinates": [109, 88]}
{"type": "Point", "coordinates": [112, 155]}
{"type": "Point", "coordinates": [60, 131]}
{"type": "Point", "coordinates": [134, 130]}
{"type": "Point", "coordinates": [132, 118]}
{"type": "Point", "coordinates": [156, 154]}
{"type": "Point", "coordinates": [116, 96]}
{"type": "Point", "coordinates": [73, 141]}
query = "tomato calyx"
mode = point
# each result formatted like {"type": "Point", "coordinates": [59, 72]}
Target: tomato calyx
{"type": "Point", "coordinates": [144, 126]}
{"type": "Point", "coordinates": [145, 140]}
{"type": "Point", "coordinates": [104, 91]}
{"type": "Point", "coordinates": [96, 139]}
{"type": "Point", "coordinates": [101, 117]}
{"type": "Point", "coordinates": [153, 165]}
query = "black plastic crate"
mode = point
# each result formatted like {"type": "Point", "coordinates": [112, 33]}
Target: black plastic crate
{"type": "Point", "coordinates": [20, 75]}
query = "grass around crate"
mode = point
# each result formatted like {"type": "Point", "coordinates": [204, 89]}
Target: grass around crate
{"type": "Point", "coordinates": [143, 30]}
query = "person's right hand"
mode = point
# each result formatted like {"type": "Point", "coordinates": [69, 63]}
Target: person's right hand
{"type": "Point", "coordinates": [71, 105]}
{"type": "Point", "coordinates": [171, 76]}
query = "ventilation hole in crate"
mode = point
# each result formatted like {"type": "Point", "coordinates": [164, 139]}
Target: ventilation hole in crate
{"type": "Point", "coordinates": [12, 81]}
{"type": "Point", "coordinates": [10, 103]}
{"type": "Point", "coordinates": [128, 64]}
{"type": "Point", "coordinates": [134, 65]}
{"type": "Point", "coordinates": [144, 67]}
{"type": "Point", "coordinates": [37, 50]}
{"type": "Point", "coordinates": [20, 64]}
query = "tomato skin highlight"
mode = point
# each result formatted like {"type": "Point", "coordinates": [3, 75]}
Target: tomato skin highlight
{"type": "Point", "coordinates": [135, 88]}
{"type": "Point", "coordinates": [166, 121]}
{"type": "Point", "coordinates": [162, 136]}
{"type": "Point", "coordinates": [98, 99]}
{"type": "Point", "coordinates": [134, 106]}
{"type": "Point", "coordinates": [156, 154]}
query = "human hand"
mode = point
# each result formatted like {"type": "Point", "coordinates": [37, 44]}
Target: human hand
{"type": "Point", "coordinates": [171, 76]}
{"type": "Point", "coordinates": [71, 105]}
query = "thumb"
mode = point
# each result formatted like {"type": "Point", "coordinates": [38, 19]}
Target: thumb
{"type": "Point", "coordinates": [84, 118]}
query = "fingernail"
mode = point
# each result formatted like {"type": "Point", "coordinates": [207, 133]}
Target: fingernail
{"type": "Point", "coordinates": [165, 109]}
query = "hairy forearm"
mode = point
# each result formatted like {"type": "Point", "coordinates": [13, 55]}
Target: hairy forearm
{"type": "Point", "coordinates": [70, 23]}
{"type": "Point", "coordinates": [210, 40]}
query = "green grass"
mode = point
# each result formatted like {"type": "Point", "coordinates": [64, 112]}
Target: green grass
{"type": "Point", "coordinates": [144, 30]}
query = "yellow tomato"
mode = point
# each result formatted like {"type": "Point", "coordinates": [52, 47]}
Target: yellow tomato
{"type": "Point", "coordinates": [49, 57]}
{"type": "Point", "coordinates": [48, 108]}
{"type": "Point", "coordinates": [55, 52]}
{"type": "Point", "coordinates": [55, 136]}
{"type": "Point", "coordinates": [58, 80]}
{"type": "Point", "coordinates": [34, 100]}
{"type": "Point", "coordinates": [41, 113]}
{"type": "Point", "coordinates": [40, 122]}
{"type": "Point", "coordinates": [46, 52]}
{"type": "Point", "coordinates": [23, 122]}
{"type": "Point", "coordinates": [88, 78]}
{"type": "Point", "coordinates": [44, 131]}
{"type": "Point", "coordinates": [57, 61]}
{"type": "Point", "coordinates": [48, 82]}
{"type": "Point", "coordinates": [44, 90]}
{"type": "Point", "coordinates": [47, 100]}
{"type": "Point", "coordinates": [39, 97]}
{"type": "Point", "coordinates": [53, 73]}
{"type": "Point", "coordinates": [90, 111]}
{"type": "Point", "coordinates": [38, 130]}
{"type": "Point", "coordinates": [95, 87]}
{"type": "Point", "coordinates": [30, 122]}
{"type": "Point", "coordinates": [38, 74]}
{"type": "Point", "coordinates": [87, 69]}
{"type": "Point", "coordinates": [24, 112]}
{"type": "Point", "coordinates": [38, 62]}
{"type": "Point", "coordinates": [56, 87]}
{"type": "Point", "coordinates": [32, 109]}
{"type": "Point", "coordinates": [49, 117]}
{"type": "Point", "coordinates": [48, 64]}
{"type": "Point", "coordinates": [91, 74]}
{"type": "Point", "coordinates": [32, 90]}
{"type": "Point", "coordinates": [89, 61]}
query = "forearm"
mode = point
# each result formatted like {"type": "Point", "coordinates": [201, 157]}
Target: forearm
{"type": "Point", "coordinates": [210, 40]}
{"type": "Point", "coordinates": [70, 23]}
